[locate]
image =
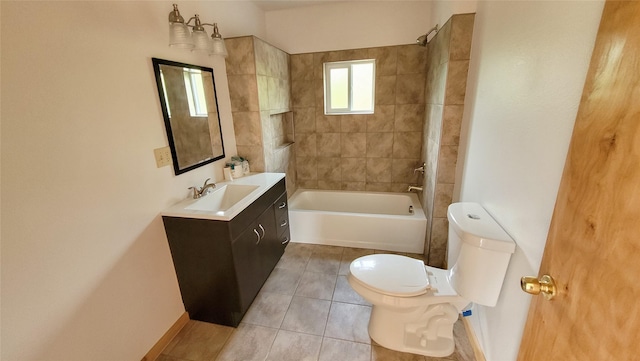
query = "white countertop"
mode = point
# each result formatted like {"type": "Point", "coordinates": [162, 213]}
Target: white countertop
{"type": "Point", "coordinates": [264, 181]}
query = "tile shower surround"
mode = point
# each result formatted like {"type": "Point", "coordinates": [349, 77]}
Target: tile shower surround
{"type": "Point", "coordinates": [374, 152]}
{"type": "Point", "coordinates": [447, 67]}
{"type": "Point", "coordinates": [305, 311]}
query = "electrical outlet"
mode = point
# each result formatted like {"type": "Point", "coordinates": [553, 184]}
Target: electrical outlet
{"type": "Point", "coordinates": [163, 156]}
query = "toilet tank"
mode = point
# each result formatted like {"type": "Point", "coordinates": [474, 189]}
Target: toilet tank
{"type": "Point", "coordinates": [478, 254]}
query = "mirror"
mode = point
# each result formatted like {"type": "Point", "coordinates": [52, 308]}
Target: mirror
{"type": "Point", "coordinates": [190, 109]}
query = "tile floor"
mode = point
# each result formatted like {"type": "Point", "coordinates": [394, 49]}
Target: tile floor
{"type": "Point", "coordinates": [305, 311]}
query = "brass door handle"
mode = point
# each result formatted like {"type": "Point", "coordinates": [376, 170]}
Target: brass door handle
{"type": "Point", "coordinates": [545, 285]}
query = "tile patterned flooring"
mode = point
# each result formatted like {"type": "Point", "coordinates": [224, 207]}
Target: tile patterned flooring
{"type": "Point", "coordinates": [306, 311]}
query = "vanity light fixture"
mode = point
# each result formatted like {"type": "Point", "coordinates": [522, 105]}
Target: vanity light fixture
{"type": "Point", "coordinates": [181, 37]}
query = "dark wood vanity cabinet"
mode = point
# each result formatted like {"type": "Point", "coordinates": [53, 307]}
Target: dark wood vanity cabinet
{"type": "Point", "coordinates": [221, 265]}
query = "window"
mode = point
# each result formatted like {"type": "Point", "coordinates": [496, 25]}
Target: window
{"type": "Point", "coordinates": [349, 87]}
{"type": "Point", "coordinates": [195, 92]}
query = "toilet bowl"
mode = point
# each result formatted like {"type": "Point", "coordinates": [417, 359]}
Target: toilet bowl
{"type": "Point", "coordinates": [414, 306]}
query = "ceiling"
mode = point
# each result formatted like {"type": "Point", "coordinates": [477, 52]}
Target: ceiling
{"type": "Point", "coordinates": [272, 5]}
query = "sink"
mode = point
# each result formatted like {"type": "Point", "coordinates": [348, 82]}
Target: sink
{"type": "Point", "coordinates": [222, 198]}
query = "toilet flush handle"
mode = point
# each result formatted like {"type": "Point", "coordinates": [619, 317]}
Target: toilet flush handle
{"type": "Point", "coordinates": [545, 285]}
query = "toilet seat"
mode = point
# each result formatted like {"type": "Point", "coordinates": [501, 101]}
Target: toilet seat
{"type": "Point", "coordinates": [391, 274]}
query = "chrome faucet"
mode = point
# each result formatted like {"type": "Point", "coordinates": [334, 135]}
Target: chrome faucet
{"type": "Point", "coordinates": [414, 188]}
{"type": "Point", "coordinates": [420, 169]}
{"type": "Point", "coordinates": [204, 190]}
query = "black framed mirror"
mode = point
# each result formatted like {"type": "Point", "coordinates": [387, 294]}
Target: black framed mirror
{"type": "Point", "coordinates": [190, 109]}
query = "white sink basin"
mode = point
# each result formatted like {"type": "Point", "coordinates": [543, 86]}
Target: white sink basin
{"type": "Point", "coordinates": [226, 200]}
{"type": "Point", "coordinates": [222, 198]}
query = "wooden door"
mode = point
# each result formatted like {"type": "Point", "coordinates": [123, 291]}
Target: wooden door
{"type": "Point", "coordinates": [593, 247]}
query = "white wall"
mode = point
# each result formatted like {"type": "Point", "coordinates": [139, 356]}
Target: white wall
{"type": "Point", "coordinates": [528, 65]}
{"type": "Point", "coordinates": [86, 268]}
{"type": "Point", "coordinates": [348, 25]}
{"type": "Point", "coordinates": [443, 9]}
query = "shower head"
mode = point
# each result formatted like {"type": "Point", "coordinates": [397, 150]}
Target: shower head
{"type": "Point", "coordinates": [423, 40]}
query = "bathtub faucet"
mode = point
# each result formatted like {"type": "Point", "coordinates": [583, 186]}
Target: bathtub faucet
{"type": "Point", "coordinates": [414, 188]}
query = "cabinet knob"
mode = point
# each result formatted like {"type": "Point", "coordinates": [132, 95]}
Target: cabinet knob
{"type": "Point", "coordinates": [286, 240]}
{"type": "Point", "coordinates": [284, 223]}
{"type": "Point", "coordinates": [262, 229]}
{"type": "Point", "coordinates": [282, 205]}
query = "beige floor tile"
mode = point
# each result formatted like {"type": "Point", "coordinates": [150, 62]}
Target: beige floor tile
{"type": "Point", "coordinates": [198, 341]}
{"type": "Point", "coordinates": [268, 309]}
{"type": "Point", "coordinates": [328, 263]}
{"type": "Point", "coordinates": [379, 353]}
{"type": "Point", "coordinates": [324, 249]}
{"type": "Point", "coordinates": [348, 322]}
{"type": "Point", "coordinates": [248, 343]}
{"type": "Point", "coordinates": [282, 281]}
{"type": "Point", "coordinates": [316, 285]}
{"type": "Point", "coordinates": [307, 315]}
{"type": "Point", "coordinates": [295, 346]}
{"type": "Point", "coordinates": [334, 350]}
{"type": "Point", "coordinates": [344, 293]}
{"type": "Point", "coordinates": [464, 350]}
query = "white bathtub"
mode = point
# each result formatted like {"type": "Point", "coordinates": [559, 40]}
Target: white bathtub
{"type": "Point", "coordinates": [376, 220]}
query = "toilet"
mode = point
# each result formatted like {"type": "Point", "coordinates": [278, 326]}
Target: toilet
{"type": "Point", "coordinates": [414, 305]}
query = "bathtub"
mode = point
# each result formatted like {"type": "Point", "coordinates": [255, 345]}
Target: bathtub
{"type": "Point", "coordinates": [377, 220]}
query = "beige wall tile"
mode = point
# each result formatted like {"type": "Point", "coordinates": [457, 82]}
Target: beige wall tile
{"type": "Point", "coordinates": [329, 169]}
{"type": "Point", "coordinates": [263, 92]}
{"type": "Point", "coordinates": [378, 187]}
{"type": "Point", "coordinates": [327, 123]}
{"type": "Point", "coordinates": [302, 66]}
{"type": "Point", "coordinates": [456, 82]}
{"type": "Point", "coordinates": [301, 94]}
{"type": "Point", "coordinates": [247, 127]}
{"type": "Point", "coordinates": [354, 169]}
{"type": "Point", "coordinates": [436, 83]}
{"type": "Point", "coordinates": [378, 170]}
{"type": "Point", "coordinates": [329, 185]}
{"type": "Point", "coordinates": [386, 59]}
{"type": "Point", "coordinates": [241, 58]}
{"type": "Point", "coordinates": [243, 91]}
{"type": "Point", "coordinates": [328, 144]}
{"type": "Point", "coordinates": [318, 62]}
{"type": "Point", "coordinates": [382, 119]}
{"type": "Point", "coordinates": [304, 120]}
{"type": "Point", "coordinates": [254, 154]}
{"type": "Point", "coordinates": [353, 123]}
{"type": "Point", "coordinates": [307, 184]}
{"type": "Point", "coordinates": [353, 186]}
{"type": "Point", "coordinates": [461, 34]}
{"type": "Point", "coordinates": [386, 89]}
{"type": "Point", "coordinates": [379, 145]}
{"type": "Point", "coordinates": [409, 117]}
{"type": "Point", "coordinates": [410, 89]}
{"type": "Point", "coordinates": [442, 199]}
{"type": "Point", "coordinates": [435, 120]}
{"type": "Point", "coordinates": [412, 59]}
{"type": "Point", "coordinates": [402, 171]}
{"type": "Point", "coordinates": [307, 167]}
{"type": "Point", "coordinates": [399, 187]}
{"type": "Point", "coordinates": [451, 123]}
{"type": "Point", "coordinates": [306, 145]}
{"type": "Point", "coordinates": [407, 145]}
{"type": "Point", "coordinates": [354, 145]}
{"type": "Point", "coordinates": [447, 163]}
{"type": "Point", "coordinates": [263, 57]}
{"type": "Point", "coordinates": [438, 47]}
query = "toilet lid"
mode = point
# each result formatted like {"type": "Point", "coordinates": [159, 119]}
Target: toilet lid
{"type": "Point", "coordinates": [391, 274]}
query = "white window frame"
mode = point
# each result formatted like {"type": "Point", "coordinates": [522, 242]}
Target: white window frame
{"type": "Point", "coordinates": [328, 109]}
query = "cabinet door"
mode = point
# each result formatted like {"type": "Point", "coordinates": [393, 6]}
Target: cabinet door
{"type": "Point", "coordinates": [269, 252]}
{"type": "Point", "coordinates": [248, 265]}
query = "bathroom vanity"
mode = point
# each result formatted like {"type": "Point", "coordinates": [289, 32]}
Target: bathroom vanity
{"type": "Point", "coordinates": [222, 257]}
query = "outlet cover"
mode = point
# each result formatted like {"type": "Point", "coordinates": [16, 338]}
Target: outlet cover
{"type": "Point", "coordinates": [163, 156]}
